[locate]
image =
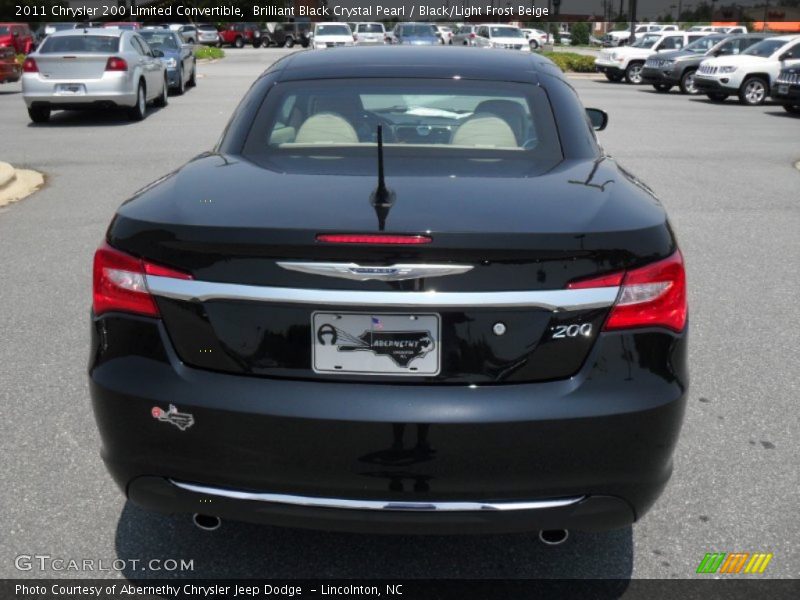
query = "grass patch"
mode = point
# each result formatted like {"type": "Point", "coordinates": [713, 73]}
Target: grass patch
{"type": "Point", "coordinates": [571, 61]}
{"type": "Point", "coordinates": [208, 52]}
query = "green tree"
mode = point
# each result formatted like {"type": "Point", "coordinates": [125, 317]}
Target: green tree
{"type": "Point", "coordinates": [580, 34]}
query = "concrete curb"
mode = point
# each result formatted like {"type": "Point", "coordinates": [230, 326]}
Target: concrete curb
{"type": "Point", "coordinates": [16, 184]}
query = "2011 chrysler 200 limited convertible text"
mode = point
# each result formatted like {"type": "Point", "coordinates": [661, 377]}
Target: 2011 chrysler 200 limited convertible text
{"type": "Point", "coordinates": [407, 291]}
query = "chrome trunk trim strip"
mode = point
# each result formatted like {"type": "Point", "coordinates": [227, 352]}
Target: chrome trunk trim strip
{"type": "Point", "coordinates": [554, 300]}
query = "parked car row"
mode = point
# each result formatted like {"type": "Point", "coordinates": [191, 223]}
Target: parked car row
{"type": "Point", "coordinates": [99, 68]}
{"type": "Point", "coordinates": [623, 36]}
{"type": "Point", "coordinates": [750, 66]}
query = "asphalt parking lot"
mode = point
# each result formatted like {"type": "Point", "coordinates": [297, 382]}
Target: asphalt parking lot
{"type": "Point", "coordinates": [726, 175]}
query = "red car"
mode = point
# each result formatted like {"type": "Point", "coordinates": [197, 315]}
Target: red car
{"type": "Point", "coordinates": [17, 36]}
{"type": "Point", "coordinates": [10, 69]}
{"type": "Point", "coordinates": [239, 34]}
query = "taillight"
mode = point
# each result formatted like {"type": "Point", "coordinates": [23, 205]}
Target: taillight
{"type": "Point", "coordinates": [115, 63]}
{"type": "Point", "coordinates": [30, 66]}
{"type": "Point", "coordinates": [119, 282]}
{"type": "Point", "coordinates": [380, 239]}
{"type": "Point", "coordinates": [650, 296]}
{"type": "Point", "coordinates": [472, 36]}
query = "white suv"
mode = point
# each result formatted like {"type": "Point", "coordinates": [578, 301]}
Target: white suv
{"type": "Point", "coordinates": [501, 36]}
{"type": "Point", "coordinates": [331, 35]}
{"type": "Point", "coordinates": [627, 61]}
{"type": "Point", "coordinates": [750, 74]}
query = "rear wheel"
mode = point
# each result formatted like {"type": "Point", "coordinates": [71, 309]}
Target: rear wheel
{"type": "Point", "coordinates": [534, 45]}
{"type": "Point", "coordinates": [39, 114]}
{"type": "Point", "coordinates": [163, 99]}
{"type": "Point", "coordinates": [687, 83]}
{"type": "Point", "coordinates": [289, 42]}
{"type": "Point", "coordinates": [717, 96]}
{"type": "Point", "coordinates": [633, 74]}
{"type": "Point", "coordinates": [238, 42]}
{"type": "Point", "coordinates": [792, 108]}
{"type": "Point", "coordinates": [753, 91]}
{"type": "Point", "coordinates": [257, 43]}
{"type": "Point", "coordinates": [138, 111]}
{"type": "Point", "coordinates": [662, 87]}
{"type": "Point", "coordinates": [193, 77]}
{"type": "Point", "coordinates": [181, 85]}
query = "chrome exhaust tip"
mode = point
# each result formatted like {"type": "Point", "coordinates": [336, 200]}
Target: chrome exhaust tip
{"type": "Point", "coordinates": [206, 522]}
{"type": "Point", "coordinates": [553, 537]}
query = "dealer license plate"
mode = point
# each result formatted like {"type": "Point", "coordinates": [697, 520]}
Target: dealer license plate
{"type": "Point", "coordinates": [375, 343]}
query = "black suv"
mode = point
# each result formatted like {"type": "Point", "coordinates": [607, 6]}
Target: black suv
{"type": "Point", "coordinates": [786, 89]}
{"type": "Point", "coordinates": [289, 34]}
{"type": "Point", "coordinates": [668, 69]}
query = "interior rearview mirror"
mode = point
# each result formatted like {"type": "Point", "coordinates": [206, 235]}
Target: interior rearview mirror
{"type": "Point", "coordinates": [598, 118]}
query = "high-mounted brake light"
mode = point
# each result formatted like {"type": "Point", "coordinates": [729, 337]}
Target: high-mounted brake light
{"type": "Point", "coordinates": [29, 66]}
{"type": "Point", "coordinates": [119, 282]}
{"type": "Point", "coordinates": [650, 296]}
{"type": "Point", "coordinates": [115, 63]}
{"type": "Point", "coordinates": [377, 239]}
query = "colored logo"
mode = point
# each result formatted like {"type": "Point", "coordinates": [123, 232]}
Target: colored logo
{"type": "Point", "coordinates": [734, 562]}
{"type": "Point", "coordinates": [181, 420]}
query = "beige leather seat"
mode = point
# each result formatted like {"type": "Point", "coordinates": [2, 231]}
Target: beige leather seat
{"type": "Point", "coordinates": [484, 131]}
{"type": "Point", "coordinates": [326, 128]}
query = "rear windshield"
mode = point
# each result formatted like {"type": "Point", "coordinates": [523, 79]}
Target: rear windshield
{"type": "Point", "coordinates": [333, 30]}
{"type": "Point", "coordinates": [506, 32]}
{"type": "Point", "coordinates": [469, 127]}
{"type": "Point", "coordinates": [370, 28]}
{"type": "Point", "coordinates": [420, 30]}
{"type": "Point", "coordinates": [80, 44]}
{"type": "Point", "coordinates": [160, 40]}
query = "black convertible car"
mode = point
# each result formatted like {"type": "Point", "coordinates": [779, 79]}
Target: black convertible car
{"type": "Point", "coordinates": [407, 291]}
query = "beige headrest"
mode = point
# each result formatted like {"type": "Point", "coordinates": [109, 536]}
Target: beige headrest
{"type": "Point", "coordinates": [485, 131]}
{"type": "Point", "coordinates": [326, 128]}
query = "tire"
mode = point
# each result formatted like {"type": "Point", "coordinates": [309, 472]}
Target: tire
{"type": "Point", "coordinates": [614, 77]}
{"type": "Point", "coordinates": [753, 92]}
{"type": "Point", "coordinates": [534, 45]}
{"type": "Point", "coordinates": [39, 114]}
{"type": "Point", "coordinates": [687, 83]}
{"type": "Point", "coordinates": [633, 74]}
{"type": "Point", "coordinates": [289, 42]}
{"type": "Point", "coordinates": [192, 82]}
{"type": "Point", "coordinates": [662, 87]}
{"type": "Point", "coordinates": [163, 99]}
{"type": "Point", "coordinates": [717, 96]}
{"type": "Point", "coordinates": [257, 43]}
{"type": "Point", "coordinates": [138, 112]}
{"type": "Point", "coordinates": [181, 85]}
{"type": "Point", "coordinates": [792, 108]}
{"type": "Point", "coordinates": [238, 42]}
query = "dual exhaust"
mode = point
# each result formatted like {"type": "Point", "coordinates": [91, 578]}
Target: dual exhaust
{"type": "Point", "coordinates": [549, 537]}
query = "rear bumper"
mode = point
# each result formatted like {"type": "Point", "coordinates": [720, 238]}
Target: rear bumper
{"type": "Point", "coordinates": [112, 89]}
{"type": "Point", "coordinates": [599, 444]}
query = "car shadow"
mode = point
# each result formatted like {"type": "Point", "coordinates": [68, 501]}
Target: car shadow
{"type": "Point", "coordinates": [782, 113]}
{"type": "Point", "coordinates": [242, 550]}
{"type": "Point", "coordinates": [109, 117]}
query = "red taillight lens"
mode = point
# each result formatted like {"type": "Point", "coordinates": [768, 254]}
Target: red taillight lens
{"type": "Point", "coordinates": [650, 296]}
{"type": "Point", "coordinates": [381, 239]}
{"type": "Point", "coordinates": [116, 63]}
{"type": "Point", "coordinates": [119, 282]}
{"type": "Point", "coordinates": [30, 66]}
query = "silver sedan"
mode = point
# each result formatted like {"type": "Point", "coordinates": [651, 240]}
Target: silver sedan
{"type": "Point", "coordinates": [93, 68]}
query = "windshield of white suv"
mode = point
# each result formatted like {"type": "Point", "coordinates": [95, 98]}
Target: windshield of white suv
{"type": "Point", "coordinates": [704, 44]}
{"type": "Point", "coordinates": [764, 48]}
{"type": "Point", "coordinates": [646, 41]}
